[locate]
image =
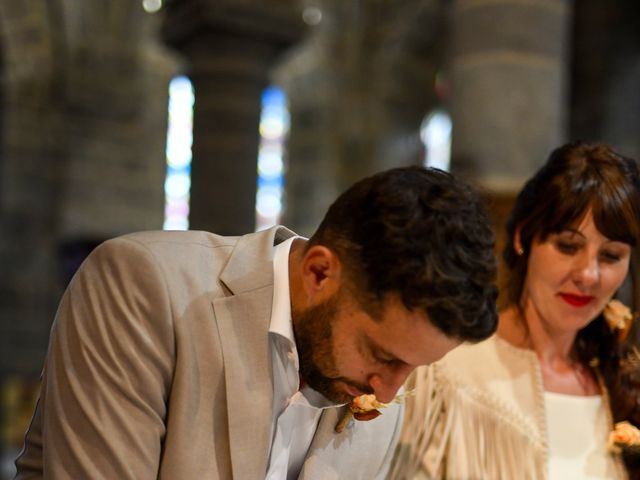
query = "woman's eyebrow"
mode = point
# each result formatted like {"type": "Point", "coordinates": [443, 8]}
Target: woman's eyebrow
{"type": "Point", "coordinates": [570, 231]}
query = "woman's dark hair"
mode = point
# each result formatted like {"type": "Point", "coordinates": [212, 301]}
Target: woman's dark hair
{"type": "Point", "coordinates": [578, 178]}
{"type": "Point", "coordinates": [422, 234]}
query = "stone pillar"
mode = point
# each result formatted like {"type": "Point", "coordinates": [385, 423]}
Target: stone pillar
{"type": "Point", "coordinates": [229, 50]}
{"type": "Point", "coordinates": [116, 122]}
{"type": "Point", "coordinates": [29, 188]}
{"type": "Point", "coordinates": [313, 77]}
{"type": "Point", "coordinates": [83, 137]}
{"type": "Point", "coordinates": [358, 90]}
{"type": "Point", "coordinates": [509, 101]}
{"type": "Point", "coordinates": [229, 73]}
{"type": "Point", "coordinates": [508, 66]}
{"type": "Point", "coordinates": [606, 67]}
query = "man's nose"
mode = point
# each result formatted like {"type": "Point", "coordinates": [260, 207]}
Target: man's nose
{"type": "Point", "coordinates": [387, 382]}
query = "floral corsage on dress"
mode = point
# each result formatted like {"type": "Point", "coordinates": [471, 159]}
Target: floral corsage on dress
{"type": "Point", "coordinates": [625, 437]}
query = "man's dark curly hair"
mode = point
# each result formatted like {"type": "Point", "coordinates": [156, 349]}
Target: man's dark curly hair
{"type": "Point", "coordinates": [422, 234]}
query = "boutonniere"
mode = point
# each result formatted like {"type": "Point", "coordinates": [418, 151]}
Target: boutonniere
{"type": "Point", "coordinates": [619, 318]}
{"type": "Point", "coordinates": [366, 407]}
{"type": "Point", "coordinates": [625, 436]}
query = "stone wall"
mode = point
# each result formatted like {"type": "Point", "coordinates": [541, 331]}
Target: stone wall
{"type": "Point", "coordinates": [82, 137]}
{"type": "Point", "coordinates": [32, 158]}
{"type": "Point", "coordinates": [83, 134]}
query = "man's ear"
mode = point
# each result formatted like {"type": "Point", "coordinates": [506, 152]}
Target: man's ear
{"type": "Point", "coordinates": [321, 273]}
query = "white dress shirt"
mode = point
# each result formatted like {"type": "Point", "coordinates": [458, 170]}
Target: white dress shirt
{"type": "Point", "coordinates": [295, 413]}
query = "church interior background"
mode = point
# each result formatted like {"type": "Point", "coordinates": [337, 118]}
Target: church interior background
{"type": "Point", "coordinates": [232, 115]}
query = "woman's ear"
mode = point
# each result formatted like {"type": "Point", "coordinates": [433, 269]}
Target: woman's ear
{"type": "Point", "coordinates": [517, 242]}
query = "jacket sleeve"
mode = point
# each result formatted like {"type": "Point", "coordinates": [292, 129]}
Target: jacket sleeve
{"type": "Point", "coordinates": [108, 372]}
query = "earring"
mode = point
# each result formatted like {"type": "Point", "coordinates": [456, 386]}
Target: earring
{"type": "Point", "coordinates": [520, 250]}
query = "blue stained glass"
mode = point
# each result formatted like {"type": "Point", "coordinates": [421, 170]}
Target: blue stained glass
{"type": "Point", "coordinates": [274, 126]}
{"type": "Point", "coordinates": [178, 153]}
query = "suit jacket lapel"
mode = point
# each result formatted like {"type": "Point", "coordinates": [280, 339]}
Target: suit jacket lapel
{"type": "Point", "coordinates": [243, 322]}
{"type": "Point", "coordinates": [247, 366]}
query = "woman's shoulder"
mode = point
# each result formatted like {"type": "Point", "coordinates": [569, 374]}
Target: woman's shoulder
{"type": "Point", "coordinates": [490, 370]}
{"type": "Point", "coordinates": [491, 356]}
{"type": "Point", "coordinates": [493, 387]}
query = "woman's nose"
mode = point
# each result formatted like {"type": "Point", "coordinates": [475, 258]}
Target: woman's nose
{"type": "Point", "coordinates": [587, 271]}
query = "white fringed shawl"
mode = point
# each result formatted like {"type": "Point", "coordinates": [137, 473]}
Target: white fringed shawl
{"type": "Point", "coordinates": [477, 415]}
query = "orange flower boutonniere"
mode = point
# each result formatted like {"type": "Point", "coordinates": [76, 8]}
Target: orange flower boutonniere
{"type": "Point", "coordinates": [366, 407]}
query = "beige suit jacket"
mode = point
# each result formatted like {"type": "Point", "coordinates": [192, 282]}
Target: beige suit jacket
{"type": "Point", "coordinates": [159, 367]}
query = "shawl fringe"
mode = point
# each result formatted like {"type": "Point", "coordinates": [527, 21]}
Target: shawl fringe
{"type": "Point", "coordinates": [459, 432]}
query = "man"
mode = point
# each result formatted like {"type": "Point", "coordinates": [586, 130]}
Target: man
{"type": "Point", "coordinates": [186, 355]}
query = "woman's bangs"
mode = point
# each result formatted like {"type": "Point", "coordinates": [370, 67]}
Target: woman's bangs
{"type": "Point", "coordinates": [614, 217]}
{"type": "Point", "coordinates": [563, 213]}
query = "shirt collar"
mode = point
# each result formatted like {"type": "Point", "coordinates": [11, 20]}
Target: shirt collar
{"type": "Point", "coordinates": [281, 323]}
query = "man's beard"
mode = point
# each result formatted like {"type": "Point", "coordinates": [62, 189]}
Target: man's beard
{"type": "Point", "coordinates": [313, 332]}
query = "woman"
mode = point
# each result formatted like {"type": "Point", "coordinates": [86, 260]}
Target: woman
{"type": "Point", "coordinates": [539, 399]}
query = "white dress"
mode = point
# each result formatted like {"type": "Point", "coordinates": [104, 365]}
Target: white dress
{"type": "Point", "coordinates": [577, 430]}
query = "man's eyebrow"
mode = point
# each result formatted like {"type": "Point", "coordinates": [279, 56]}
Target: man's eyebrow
{"type": "Point", "coordinates": [369, 344]}
{"type": "Point", "coordinates": [380, 351]}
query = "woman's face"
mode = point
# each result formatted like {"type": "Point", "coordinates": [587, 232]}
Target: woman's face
{"type": "Point", "coordinates": [572, 275]}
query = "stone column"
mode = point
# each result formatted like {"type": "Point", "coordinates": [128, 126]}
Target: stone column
{"type": "Point", "coordinates": [229, 73]}
{"type": "Point", "coordinates": [229, 51]}
{"type": "Point", "coordinates": [29, 183]}
{"type": "Point", "coordinates": [358, 89]}
{"type": "Point", "coordinates": [83, 157]}
{"type": "Point", "coordinates": [508, 67]}
{"type": "Point", "coordinates": [116, 122]}
{"type": "Point", "coordinates": [606, 74]}
{"type": "Point", "coordinates": [509, 101]}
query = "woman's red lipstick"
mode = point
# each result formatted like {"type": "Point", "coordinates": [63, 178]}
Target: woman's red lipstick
{"type": "Point", "coordinates": [576, 300]}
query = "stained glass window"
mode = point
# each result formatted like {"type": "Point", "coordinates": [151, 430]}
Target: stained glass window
{"type": "Point", "coordinates": [274, 127]}
{"type": "Point", "coordinates": [177, 184]}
